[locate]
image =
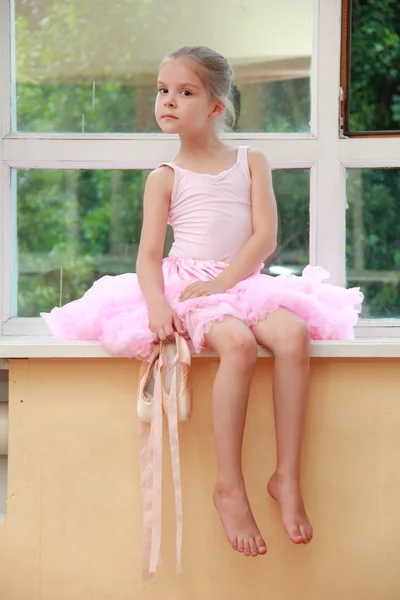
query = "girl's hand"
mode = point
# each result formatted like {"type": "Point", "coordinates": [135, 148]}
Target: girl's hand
{"type": "Point", "coordinates": [164, 322]}
{"type": "Point", "coordinates": [202, 288]}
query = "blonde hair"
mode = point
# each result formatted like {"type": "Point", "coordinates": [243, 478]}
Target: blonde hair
{"type": "Point", "coordinates": [216, 75]}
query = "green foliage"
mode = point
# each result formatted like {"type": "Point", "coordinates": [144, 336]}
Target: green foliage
{"type": "Point", "coordinates": [373, 227]}
{"type": "Point", "coordinates": [375, 66]}
{"type": "Point", "coordinates": [292, 193]}
{"type": "Point", "coordinates": [278, 106]}
{"type": "Point", "coordinates": [74, 227]}
{"type": "Point", "coordinates": [286, 106]}
{"type": "Point", "coordinates": [59, 107]}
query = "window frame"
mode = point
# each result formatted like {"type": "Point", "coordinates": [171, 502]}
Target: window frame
{"type": "Point", "coordinates": [323, 151]}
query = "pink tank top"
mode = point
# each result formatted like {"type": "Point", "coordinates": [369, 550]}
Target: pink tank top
{"type": "Point", "coordinates": [211, 214]}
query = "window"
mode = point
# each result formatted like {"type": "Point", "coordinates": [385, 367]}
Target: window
{"type": "Point", "coordinates": [79, 137]}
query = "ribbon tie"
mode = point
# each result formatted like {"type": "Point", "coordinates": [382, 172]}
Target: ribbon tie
{"type": "Point", "coordinates": [150, 448]}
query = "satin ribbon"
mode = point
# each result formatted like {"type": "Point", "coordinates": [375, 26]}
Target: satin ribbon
{"type": "Point", "coordinates": [150, 461]}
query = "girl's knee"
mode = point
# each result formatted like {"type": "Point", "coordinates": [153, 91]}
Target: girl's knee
{"type": "Point", "coordinates": [292, 339]}
{"type": "Point", "coordinates": [241, 345]}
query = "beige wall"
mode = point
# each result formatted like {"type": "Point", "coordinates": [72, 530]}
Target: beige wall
{"type": "Point", "coordinates": [74, 520]}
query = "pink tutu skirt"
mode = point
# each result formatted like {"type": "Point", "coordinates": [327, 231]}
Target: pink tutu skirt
{"type": "Point", "coordinates": [114, 311]}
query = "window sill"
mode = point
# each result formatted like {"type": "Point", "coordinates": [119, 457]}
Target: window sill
{"type": "Point", "coordinates": [48, 347]}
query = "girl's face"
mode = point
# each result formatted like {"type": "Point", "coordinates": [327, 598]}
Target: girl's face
{"type": "Point", "coordinates": [183, 105]}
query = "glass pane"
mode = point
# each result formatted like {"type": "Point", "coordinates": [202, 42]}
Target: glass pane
{"type": "Point", "coordinates": [73, 227]}
{"type": "Point", "coordinates": [374, 101]}
{"type": "Point", "coordinates": [90, 66]}
{"type": "Point", "coordinates": [292, 190]}
{"type": "Point", "coordinates": [76, 226]}
{"type": "Point", "coordinates": [373, 239]}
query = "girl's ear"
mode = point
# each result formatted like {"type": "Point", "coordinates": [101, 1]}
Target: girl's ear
{"type": "Point", "coordinates": [217, 110]}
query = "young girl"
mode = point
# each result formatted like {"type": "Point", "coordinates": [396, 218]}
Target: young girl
{"type": "Point", "coordinates": [221, 205]}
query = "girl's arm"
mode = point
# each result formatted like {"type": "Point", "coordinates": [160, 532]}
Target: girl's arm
{"type": "Point", "coordinates": [263, 242]}
{"type": "Point", "coordinates": [156, 203]}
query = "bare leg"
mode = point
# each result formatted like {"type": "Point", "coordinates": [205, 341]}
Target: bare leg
{"type": "Point", "coordinates": [237, 348]}
{"type": "Point", "coordinates": [287, 337]}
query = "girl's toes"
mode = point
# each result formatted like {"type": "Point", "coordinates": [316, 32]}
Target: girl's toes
{"type": "Point", "coordinates": [253, 547]}
{"type": "Point", "coordinates": [261, 545]}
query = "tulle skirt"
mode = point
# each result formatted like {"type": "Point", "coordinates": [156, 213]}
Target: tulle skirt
{"type": "Point", "coordinates": [113, 311]}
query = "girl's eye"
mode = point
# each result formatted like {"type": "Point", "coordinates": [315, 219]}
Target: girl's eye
{"type": "Point", "coordinates": [186, 93]}
{"type": "Point", "coordinates": [162, 91]}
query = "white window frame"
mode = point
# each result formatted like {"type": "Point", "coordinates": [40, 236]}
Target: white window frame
{"type": "Point", "coordinates": [322, 151]}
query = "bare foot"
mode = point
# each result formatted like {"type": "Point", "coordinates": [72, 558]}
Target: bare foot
{"type": "Point", "coordinates": [238, 521]}
{"type": "Point", "coordinates": [287, 493]}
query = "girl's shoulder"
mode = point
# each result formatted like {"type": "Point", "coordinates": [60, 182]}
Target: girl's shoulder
{"type": "Point", "coordinates": [256, 155]}
{"type": "Point", "coordinates": [161, 179]}
{"type": "Point", "coordinates": [257, 160]}
{"type": "Point", "coordinates": [162, 174]}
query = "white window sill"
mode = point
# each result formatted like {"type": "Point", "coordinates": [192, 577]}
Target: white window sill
{"type": "Point", "coordinates": [48, 347]}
